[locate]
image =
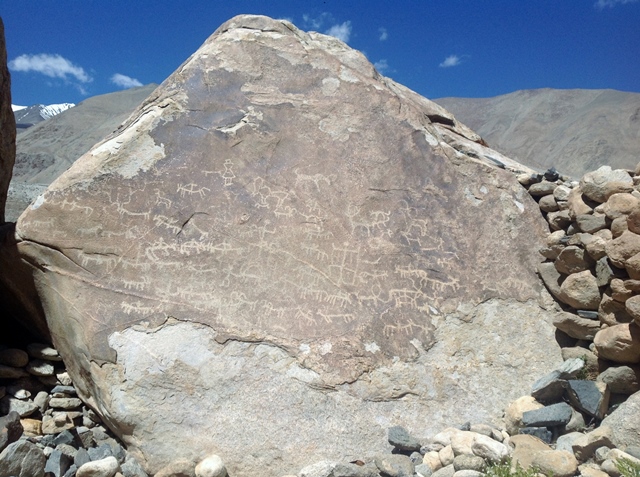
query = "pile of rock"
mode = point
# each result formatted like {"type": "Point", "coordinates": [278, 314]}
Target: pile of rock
{"type": "Point", "coordinates": [593, 269]}
{"type": "Point", "coordinates": [553, 438]}
{"type": "Point", "coordinates": [46, 430]}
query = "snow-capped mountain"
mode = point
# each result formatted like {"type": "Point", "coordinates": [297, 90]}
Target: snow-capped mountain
{"type": "Point", "coordinates": [27, 116]}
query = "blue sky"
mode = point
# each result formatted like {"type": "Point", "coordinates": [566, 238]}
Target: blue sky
{"type": "Point", "coordinates": [67, 50]}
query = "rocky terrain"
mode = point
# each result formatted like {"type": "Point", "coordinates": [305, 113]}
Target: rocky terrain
{"type": "Point", "coordinates": [576, 131]}
{"type": "Point", "coordinates": [245, 279]}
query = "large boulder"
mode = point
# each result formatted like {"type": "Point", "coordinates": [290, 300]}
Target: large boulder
{"type": "Point", "coordinates": [7, 126]}
{"type": "Point", "coordinates": [281, 254]}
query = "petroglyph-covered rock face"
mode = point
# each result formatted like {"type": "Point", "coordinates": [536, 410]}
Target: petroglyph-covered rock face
{"type": "Point", "coordinates": [281, 238]}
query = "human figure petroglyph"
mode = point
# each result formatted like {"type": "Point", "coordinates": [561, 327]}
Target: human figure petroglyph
{"type": "Point", "coordinates": [228, 174]}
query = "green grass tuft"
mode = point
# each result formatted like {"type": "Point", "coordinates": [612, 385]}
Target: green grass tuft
{"type": "Point", "coordinates": [504, 469]}
{"type": "Point", "coordinates": [628, 468]}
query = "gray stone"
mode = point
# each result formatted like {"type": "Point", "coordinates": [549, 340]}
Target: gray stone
{"type": "Point", "coordinates": [22, 459]}
{"type": "Point", "coordinates": [548, 203]}
{"type": "Point", "coordinates": [602, 183]}
{"type": "Point", "coordinates": [601, 453]}
{"type": "Point", "coordinates": [541, 433]}
{"type": "Point", "coordinates": [65, 437]}
{"type": "Point", "coordinates": [39, 367]}
{"type": "Point", "coordinates": [9, 372]}
{"type": "Point", "coordinates": [585, 446]}
{"type": "Point", "coordinates": [589, 397]}
{"type": "Point", "coordinates": [43, 351]}
{"type": "Point", "coordinates": [612, 312]}
{"type": "Point", "coordinates": [64, 390]}
{"type": "Point", "coordinates": [576, 424]}
{"type": "Point", "coordinates": [573, 259]}
{"type": "Point", "coordinates": [57, 464]}
{"type": "Point", "coordinates": [591, 315]}
{"type": "Point", "coordinates": [634, 451]}
{"type": "Point", "coordinates": [566, 441]}
{"type": "Point", "coordinates": [559, 220]}
{"type": "Point", "coordinates": [580, 291]}
{"type": "Point", "coordinates": [619, 343]}
{"type": "Point", "coordinates": [554, 415]}
{"type": "Point", "coordinates": [100, 452]}
{"type": "Point", "coordinates": [400, 438]}
{"type": "Point", "coordinates": [65, 403]}
{"type": "Point", "coordinates": [561, 193]}
{"type": "Point", "coordinates": [621, 379]}
{"type": "Point", "coordinates": [423, 470]}
{"type": "Point", "coordinates": [211, 466]}
{"type": "Point", "coordinates": [42, 401]}
{"type": "Point", "coordinates": [72, 471]}
{"type": "Point", "coordinates": [550, 388]}
{"type": "Point", "coordinates": [485, 429]}
{"type": "Point", "coordinates": [271, 113]}
{"type": "Point", "coordinates": [395, 465]}
{"type": "Point", "coordinates": [24, 408]}
{"type": "Point", "coordinates": [605, 272]}
{"type": "Point", "coordinates": [591, 223]}
{"type": "Point", "coordinates": [624, 423]}
{"type": "Point", "coordinates": [68, 450]}
{"type": "Point", "coordinates": [82, 457]}
{"type": "Point", "coordinates": [106, 467]}
{"type": "Point", "coordinates": [16, 358]}
{"type": "Point", "coordinates": [542, 188]}
{"type": "Point", "coordinates": [575, 326]}
{"type": "Point", "coordinates": [446, 471]}
{"type": "Point", "coordinates": [10, 429]}
{"type": "Point", "coordinates": [349, 470]}
{"type": "Point", "coordinates": [551, 278]}
{"type": "Point", "coordinates": [489, 449]}
{"type": "Point", "coordinates": [468, 462]}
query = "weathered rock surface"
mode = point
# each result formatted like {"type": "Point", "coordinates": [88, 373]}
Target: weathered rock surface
{"type": "Point", "coordinates": [280, 237]}
{"type": "Point", "coordinates": [624, 423]}
{"type": "Point", "coordinates": [7, 126]}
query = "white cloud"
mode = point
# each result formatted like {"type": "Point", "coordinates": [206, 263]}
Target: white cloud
{"type": "Point", "coordinates": [383, 33]}
{"type": "Point", "coordinates": [125, 81]}
{"type": "Point", "coordinates": [381, 66]}
{"type": "Point", "coordinates": [600, 4]}
{"type": "Point", "coordinates": [449, 61]}
{"type": "Point", "coordinates": [341, 31]}
{"type": "Point", "coordinates": [53, 66]}
{"type": "Point", "coordinates": [316, 22]}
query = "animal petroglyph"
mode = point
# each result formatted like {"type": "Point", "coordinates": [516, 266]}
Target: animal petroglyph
{"type": "Point", "coordinates": [192, 189]}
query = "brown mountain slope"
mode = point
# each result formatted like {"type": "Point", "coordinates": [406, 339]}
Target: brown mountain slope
{"type": "Point", "coordinates": [46, 150]}
{"type": "Point", "coordinates": [574, 130]}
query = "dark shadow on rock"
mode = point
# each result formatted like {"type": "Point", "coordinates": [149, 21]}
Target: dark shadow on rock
{"type": "Point", "coordinates": [22, 319]}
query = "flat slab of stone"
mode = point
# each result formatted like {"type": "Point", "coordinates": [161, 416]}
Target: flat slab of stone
{"type": "Point", "coordinates": [554, 415]}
